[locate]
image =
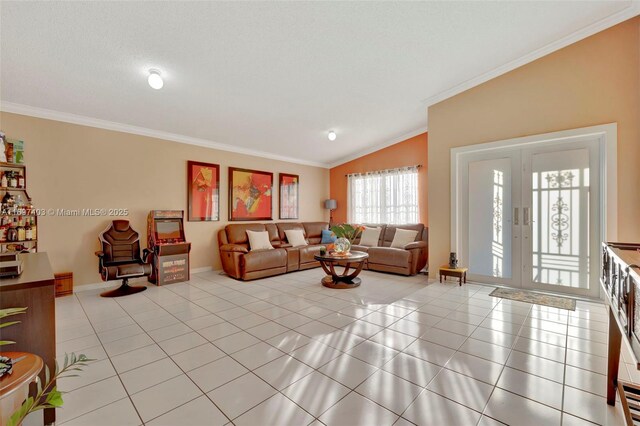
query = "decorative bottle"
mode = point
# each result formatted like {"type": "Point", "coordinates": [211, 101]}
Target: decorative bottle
{"type": "Point", "coordinates": [13, 180]}
{"type": "Point", "coordinates": [20, 180]}
{"type": "Point", "coordinates": [4, 182]}
{"type": "Point", "coordinates": [34, 235]}
{"type": "Point", "coordinates": [12, 232]}
{"type": "Point", "coordinates": [21, 231]}
{"type": "Point", "coordinates": [28, 234]}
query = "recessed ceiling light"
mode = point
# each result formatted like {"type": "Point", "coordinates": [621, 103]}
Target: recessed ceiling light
{"type": "Point", "coordinates": [332, 135]}
{"type": "Point", "coordinates": [155, 80]}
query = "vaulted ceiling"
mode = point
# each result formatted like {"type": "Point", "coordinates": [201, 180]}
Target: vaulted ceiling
{"type": "Point", "coordinates": [273, 77]}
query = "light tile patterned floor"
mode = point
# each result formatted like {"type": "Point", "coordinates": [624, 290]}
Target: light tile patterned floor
{"type": "Point", "coordinates": [285, 350]}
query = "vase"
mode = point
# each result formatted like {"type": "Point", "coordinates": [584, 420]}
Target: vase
{"type": "Point", "coordinates": [342, 246]}
{"type": "Point", "coordinates": [453, 261]}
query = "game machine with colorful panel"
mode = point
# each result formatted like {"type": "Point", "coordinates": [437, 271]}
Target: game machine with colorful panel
{"type": "Point", "coordinates": [169, 248]}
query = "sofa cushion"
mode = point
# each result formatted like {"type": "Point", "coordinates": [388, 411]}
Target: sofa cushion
{"type": "Point", "coordinates": [296, 237]}
{"type": "Point", "coordinates": [272, 229]}
{"type": "Point", "coordinates": [390, 232]}
{"type": "Point", "coordinates": [313, 231]}
{"type": "Point", "coordinates": [259, 240]}
{"type": "Point", "coordinates": [389, 256]}
{"type": "Point", "coordinates": [328, 237]}
{"type": "Point", "coordinates": [403, 237]}
{"type": "Point", "coordinates": [307, 253]}
{"type": "Point", "coordinates": [263, 259]}
{"type": "Point", "coordinates": [382, 227]}
{"type": "Point", "coordinates": [237, 233]}
{"type": "Point", "coordinates": [283, 226]}
{"type": "Point", "coordinates": [370, 236]}
{"type": "Point", "coordinates": [356, 247]}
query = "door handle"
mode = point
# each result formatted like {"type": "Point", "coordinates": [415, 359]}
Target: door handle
{"type": "Point", "coordinates": [516, 221]}
{"type": "Point", "coordinates": [525, 216]}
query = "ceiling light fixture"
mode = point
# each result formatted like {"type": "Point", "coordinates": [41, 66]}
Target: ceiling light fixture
{"type": "Point", "coordinates": [332, 135]}
{"type": "Point", "coordinates": [155, 80]}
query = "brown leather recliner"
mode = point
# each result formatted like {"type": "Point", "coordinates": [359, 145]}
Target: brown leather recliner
{"type": "Point", "coordinates": [120, 258]}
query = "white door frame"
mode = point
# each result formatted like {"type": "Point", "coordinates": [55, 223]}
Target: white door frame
{"type": "Point", "coordinates": [607, 136]}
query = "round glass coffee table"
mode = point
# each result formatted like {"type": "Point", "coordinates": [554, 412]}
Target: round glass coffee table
{"type": "Point", "coordinates": [352, 263]}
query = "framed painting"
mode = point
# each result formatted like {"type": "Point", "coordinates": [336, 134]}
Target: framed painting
{"type": "Point", "coordinates": [250, 194]}
{"type": "Point", "coordinates": [289, 190]}
{"type": "Point", "coordinates": [203, 189]}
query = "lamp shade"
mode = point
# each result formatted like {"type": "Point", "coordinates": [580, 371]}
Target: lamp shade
{"type": "Point", "coordinates": [330, 204]}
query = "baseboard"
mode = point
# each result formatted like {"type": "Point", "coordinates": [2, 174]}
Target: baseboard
{"type": "Point", "coordinates": [106, 284]}
{"type": "Point", "coordinates": [203, 269]}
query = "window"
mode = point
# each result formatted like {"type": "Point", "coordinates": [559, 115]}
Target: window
{"type": "Point", "coordinates": [386, 196]}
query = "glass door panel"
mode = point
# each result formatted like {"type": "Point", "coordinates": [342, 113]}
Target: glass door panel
{"type": "Point", "coordinates": [557, 225]}
{"type": "Point", "coordinates": [489, 230]}
{"type": "Point", "coordinates": [491, 247]}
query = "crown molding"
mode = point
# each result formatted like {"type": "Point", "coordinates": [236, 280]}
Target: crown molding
{"type": "Point", "coordinates": [378, 147]}
{"type": "Point", "coordinates": [627, 13]}
{"type": "Point", "coordinates": [82, 120]}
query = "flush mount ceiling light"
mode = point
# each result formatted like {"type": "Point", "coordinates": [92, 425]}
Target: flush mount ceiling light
{"type": "Point", "coordinates": [155, 80]}
{"type": "Point", "coordinates": [332, 135]}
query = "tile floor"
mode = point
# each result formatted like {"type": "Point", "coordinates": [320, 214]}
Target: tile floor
{"type": "Point", "coordinates": [285, 350]}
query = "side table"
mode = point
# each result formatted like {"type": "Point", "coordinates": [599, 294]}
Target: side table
{"type": "Point", "coordinates": [460, 273]}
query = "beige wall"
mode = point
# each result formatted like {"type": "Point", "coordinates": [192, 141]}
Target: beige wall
{"type": "Point", "coordinates": [72, 166]}
{"type": "Point", "coordinates": [594, 81]}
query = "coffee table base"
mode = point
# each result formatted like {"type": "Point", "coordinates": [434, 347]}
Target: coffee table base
{"type": "Point", "coordinates": [328, 281]}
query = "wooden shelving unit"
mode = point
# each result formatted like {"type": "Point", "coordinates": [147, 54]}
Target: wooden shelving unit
{"type": "Point", "coordinates": [24, 245]}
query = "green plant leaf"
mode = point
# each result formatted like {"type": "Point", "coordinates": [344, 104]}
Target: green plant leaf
{"type": "Point", "coordinates": [47, 374]}
{"type": "Point", "coordinates": [7, 324]}
{"type": "Point", "coordinates": [6, 342]}
{"type": "Point", "coordinates": [19, 415]}
{"type": "Point", "coordinates": [7, 312]}
{"type": "Point", "coordinates": [54, 398]}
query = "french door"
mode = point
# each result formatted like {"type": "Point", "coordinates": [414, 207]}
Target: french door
{"type": "Point", "coordinates": [529, 216]}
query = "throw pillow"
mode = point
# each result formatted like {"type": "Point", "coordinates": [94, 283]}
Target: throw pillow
{"type": "Point", "coordinates": [403, 237]}
{"type": "Point", "coordinates": [295, 237]}
{"type": "Point", "coordinates": [328, 237]}
{"type": "Point", "coordinates": [370, 237]}
{"type": "Point", "coordinates": [259, 240]}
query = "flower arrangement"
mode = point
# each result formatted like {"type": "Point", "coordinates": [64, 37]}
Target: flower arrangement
{"type": "Point", "coordinates": [345, 230]}
{"type": "Point", "coordinates": [346, 234]}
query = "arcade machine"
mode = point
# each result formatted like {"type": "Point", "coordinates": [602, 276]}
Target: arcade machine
{"type": "Point", "coordinates": [168, 247]}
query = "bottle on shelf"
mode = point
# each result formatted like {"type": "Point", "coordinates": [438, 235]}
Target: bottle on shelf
{"type": "Point", "coordinates": [21, 231]}
{"type": "Point", "coordinates": [20, 180]}
{"type": "Point", "coordinates": [12, 232]}
{"type": "Point", "coordinates": [4, 182]}
{"type": "Point", "coordinates": [34, 234]}
{"type": "Point", "coordinates": [28, 235]}
{"type": "Point", "coordinates": [13, 180]}
{"type": "Point", "coordinates": [3, 232]}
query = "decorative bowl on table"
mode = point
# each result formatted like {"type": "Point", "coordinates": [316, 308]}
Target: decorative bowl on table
{"type": "Point", "coordinates": [341, 247]}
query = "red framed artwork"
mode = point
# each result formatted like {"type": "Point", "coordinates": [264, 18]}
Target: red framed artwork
{"type": "Point", "coordinates": [289, 190]}
{"type": "Point", "coordinates": [203, 189]}
{"type": "Point", "coordinates": [250, 194]}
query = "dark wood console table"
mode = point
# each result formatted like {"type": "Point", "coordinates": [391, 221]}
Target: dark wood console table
{"type": "Point", "coordinates": [36, 332]}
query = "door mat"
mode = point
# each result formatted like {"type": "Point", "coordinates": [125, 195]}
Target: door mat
{"type": "Point", "coordinates": [537, 298]}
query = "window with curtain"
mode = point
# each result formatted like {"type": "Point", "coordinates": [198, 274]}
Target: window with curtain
{"type": "Point", "coordinates": [386, 196]}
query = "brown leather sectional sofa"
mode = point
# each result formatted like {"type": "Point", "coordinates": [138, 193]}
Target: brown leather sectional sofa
{"type": "Point", "coordinates": [240, 262]}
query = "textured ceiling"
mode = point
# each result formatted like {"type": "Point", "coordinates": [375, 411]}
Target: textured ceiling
{"type": "Point", "coordinates": [270, 77]}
